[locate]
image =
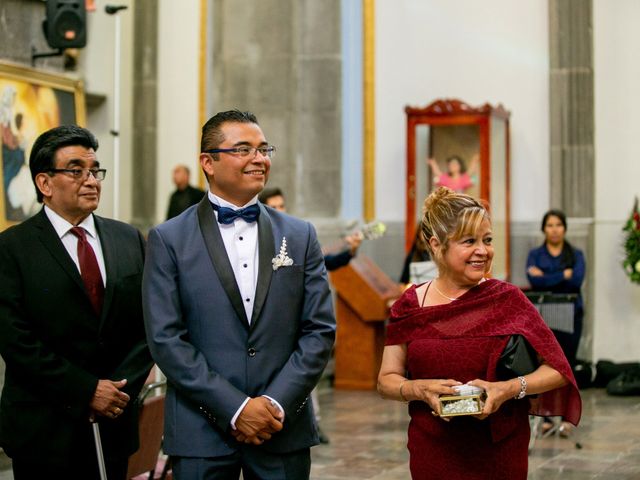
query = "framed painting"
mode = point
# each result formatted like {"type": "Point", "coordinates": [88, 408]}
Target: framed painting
{"type": "Point", "coordinates": [31, 102]}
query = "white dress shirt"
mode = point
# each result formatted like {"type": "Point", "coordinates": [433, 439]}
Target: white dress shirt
{"type": "Point", "coordinates": [70, 241]}
{"type": "Point", "coordinates": [241, 243]}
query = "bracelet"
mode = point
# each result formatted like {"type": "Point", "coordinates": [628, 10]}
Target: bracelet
{"type": "Point", "coordinates": [523, 389]}
{"type": "Point", "coordinates": [401, 394]}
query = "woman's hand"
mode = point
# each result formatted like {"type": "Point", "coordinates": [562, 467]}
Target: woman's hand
{"type": "Point", "coordinates": [567, 273]}
{"type": "Point", "coordinates": [497, 394]}
{"type": "Point", "coordinates": [535, 271]}
{"type": "Point", "coordinates": [435, 168]}
{"type": "Point", "coordinates": [473, 164]}
{"type": "Point", "coordinates": [429, 391]}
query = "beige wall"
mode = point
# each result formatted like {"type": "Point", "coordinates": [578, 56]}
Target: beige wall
{"type": "Point", "coordinates": [178, 97]}
{"type": "Point", "coordinates": [493, 51]}
{"type": "Point", "coordinates": [617, 101]}
{"type": "Point", "coordinates": [97, 61]}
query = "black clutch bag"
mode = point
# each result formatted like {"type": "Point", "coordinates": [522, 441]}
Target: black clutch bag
{"type": "Point", "coordinates": [517, 359]}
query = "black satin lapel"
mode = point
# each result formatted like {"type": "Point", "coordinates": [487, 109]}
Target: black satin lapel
{"type": "Point", "coordinates": [109, 252]}
{"type": "Point", "coordinates": [218, 255]}
{"type": "Point", "coordinates": [53, 244]}
{"type": "Point", "coordinates": [266, 252]}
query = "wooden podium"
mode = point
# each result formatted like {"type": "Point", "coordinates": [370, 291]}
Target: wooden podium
{"type": "Point", "coordinates": [363, 294]}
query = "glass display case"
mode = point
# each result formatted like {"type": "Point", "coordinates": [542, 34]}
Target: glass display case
{"type": "Point", "coordinates": [465, 148]}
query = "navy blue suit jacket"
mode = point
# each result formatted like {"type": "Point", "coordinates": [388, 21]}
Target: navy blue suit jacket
{"type": "Point", "coordinates": [212, 355]}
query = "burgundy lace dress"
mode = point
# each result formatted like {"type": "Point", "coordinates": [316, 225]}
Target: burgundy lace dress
{"type": "Point", "coordinates": [463, 341]}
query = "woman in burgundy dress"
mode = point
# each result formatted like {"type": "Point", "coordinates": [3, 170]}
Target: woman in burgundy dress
{"type": "Point", "coordinates": [451, 331]}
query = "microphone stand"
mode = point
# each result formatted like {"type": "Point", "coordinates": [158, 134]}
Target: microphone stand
{"type": "Point", "coordinates": [115, 131]}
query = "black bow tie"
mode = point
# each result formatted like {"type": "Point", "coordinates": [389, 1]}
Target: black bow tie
{"type": "Point", "coordinates": [228, 215]}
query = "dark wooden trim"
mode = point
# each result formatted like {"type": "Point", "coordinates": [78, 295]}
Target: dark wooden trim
{"type": "Point", "coordinates": [449, 107]}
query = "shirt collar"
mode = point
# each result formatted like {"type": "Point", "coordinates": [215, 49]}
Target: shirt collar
{"type": "Point", "coordinates": [213, 198]}
{"type": "Point", "coordinates": [62, 227]}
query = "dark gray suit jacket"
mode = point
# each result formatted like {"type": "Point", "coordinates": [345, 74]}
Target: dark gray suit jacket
{"type": "Point", "coordinates": [213, 357]}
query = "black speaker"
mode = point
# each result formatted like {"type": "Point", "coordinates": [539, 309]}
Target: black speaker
{"type": "Point", "coordinates": [66, 24]}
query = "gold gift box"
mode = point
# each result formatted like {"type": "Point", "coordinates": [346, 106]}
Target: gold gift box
{"type": "Point", "coordinates": [477, 399]}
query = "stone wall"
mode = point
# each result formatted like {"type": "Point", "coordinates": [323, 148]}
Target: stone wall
{"type": "Point", "coordinates": [572, 133]}
{"type": "Point", "coordinates": [279, 61]}
{"type": "Point", "coordinates": [572, 107]}
{"type": "Point", "coordinates": [21, 29]}
{"type": "Point", "coordinates": [145, 116]}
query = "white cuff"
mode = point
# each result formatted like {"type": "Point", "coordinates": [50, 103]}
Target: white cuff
{"type": "Point", "coordinates": [235, 417]}
{"type": "Point", "coordinates": [275, 403]}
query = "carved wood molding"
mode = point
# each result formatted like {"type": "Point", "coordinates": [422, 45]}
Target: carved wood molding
{"type": "Point", "coordinates": [453, 106]}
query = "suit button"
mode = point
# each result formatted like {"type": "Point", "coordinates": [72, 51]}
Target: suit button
{"type": "Point", "coordinates": [252, 352]}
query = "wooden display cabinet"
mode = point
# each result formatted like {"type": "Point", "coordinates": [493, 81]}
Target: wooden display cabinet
{"type": "Point", "coordinates": [479, 136]}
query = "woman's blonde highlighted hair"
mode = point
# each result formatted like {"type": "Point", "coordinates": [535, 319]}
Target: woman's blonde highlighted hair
{"type": "Point", "coordinates": [448, 215]}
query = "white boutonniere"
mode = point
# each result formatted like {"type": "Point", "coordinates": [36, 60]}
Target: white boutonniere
{"type": "Point", "coordinates": [282, 260]}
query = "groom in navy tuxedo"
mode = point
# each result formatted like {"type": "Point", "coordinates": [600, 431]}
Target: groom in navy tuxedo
{"type": "Point", "coordinates": [239, 318]}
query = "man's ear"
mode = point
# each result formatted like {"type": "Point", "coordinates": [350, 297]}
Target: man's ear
{"type": "Point", "coordinates": [43, 182]}
{"type": "Point", "coordinates": [206, 162]}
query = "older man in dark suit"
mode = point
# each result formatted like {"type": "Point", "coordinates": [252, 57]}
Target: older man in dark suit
{"type": "Point", "coordinates": [71, 328]}
{"type": "Point", "coordinates": [239, 317]}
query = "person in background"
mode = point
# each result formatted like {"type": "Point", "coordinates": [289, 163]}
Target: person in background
{"type": "Point", "coordinates": [558, 267]}
{"type": "Point", "coordinates": [71, 327]}
{"type": "Point", "coordinates": [239, 318]}
{"type": "Point", "coordinates": [418, 253]}
{"type": "Point", "coordinates": [457, 177]}
{"type": "Point", "coordinates": [451, 331]}
{"type": "Point", "coordinates": [185, 195]}
{"type": "Point", "coordinates": [274, 198]}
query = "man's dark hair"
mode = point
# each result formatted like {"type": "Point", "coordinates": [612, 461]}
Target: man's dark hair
{"type": "Point", "coordinates": [212, 135]}
{"type": "Point", "coordinates": [43, 152]}
{"type": "Point", "coordinates": [267, 193]}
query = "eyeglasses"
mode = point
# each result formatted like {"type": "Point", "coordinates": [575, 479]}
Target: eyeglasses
{"type": "Point", "coordinates": [81, 173]}
{"type": "Point", "coordinates": [245, 151]}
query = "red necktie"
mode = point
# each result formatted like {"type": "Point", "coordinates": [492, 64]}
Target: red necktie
{"type": "Point", "coordinates": [89, 270]}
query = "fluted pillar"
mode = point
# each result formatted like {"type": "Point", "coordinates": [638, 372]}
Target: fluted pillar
{"type": "Point", "coordinates": [571, 107]}
{"type": "Point", "coordinates": [145, 122]}
{"type": "Point", "coordinates": [572, 161]}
